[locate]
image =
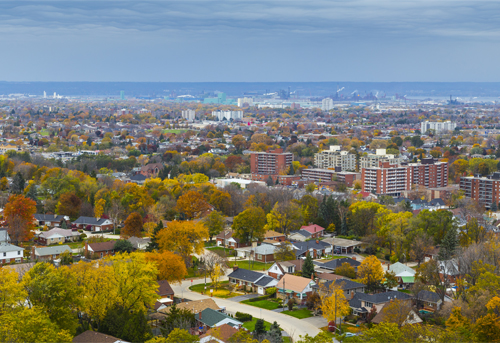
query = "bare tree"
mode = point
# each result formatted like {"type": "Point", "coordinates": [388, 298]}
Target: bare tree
{"type": "Point", "coordinates": [210, 260]}
{"type": "Point", "coordinates": [116, 212]}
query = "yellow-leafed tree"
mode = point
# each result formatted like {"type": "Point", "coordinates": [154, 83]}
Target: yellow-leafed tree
{"type": "Point", "coordinates": [370, 272]}
{"type": "Point", "coordinates": [333, 302]}
{"type": "Point", "coordinates": [170, 266]}
{"type": "Point", "coordinates": [192, 205]}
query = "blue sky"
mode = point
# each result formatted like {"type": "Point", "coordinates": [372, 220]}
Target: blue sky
{"type": "Point", "coordinates": [350, 40]}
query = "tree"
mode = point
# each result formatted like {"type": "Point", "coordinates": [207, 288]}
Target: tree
{"type": "Point", "coordinates": [214, 266]}
{"type": "Point", "coordinates": [192, 205]}
{"type": "Point", "coordinates": [12, 292]}
{"type": "Point", "coordinates": [153, 244]}
{"type": "Point", "coordinates": [17, 185]}
{"type": "Point", "coordinates": [214, 223]}
{"type": "Point", "coordinates": [170, 266]}
{"type": "Point", "coordinates": [180, 319]}
{"type": "Point", "coordinates": [221, 201]}
{"type": "Point", "coordinates": [420, 245]}
{"type": "Point", "coordinates": [274, 334]}
{"type": "Point", "coordinates": [333, 302]}
{"type": "Point", "coordinates": [346, 270]}
{"type": "Point", "coordinates": [370, 272]}
{"type": "Point", "coordinates": [123, 245]}
{"type": "Point", "coordinates": [270, 181]}
{"type": "Point", "coordinates": [184, 238]}
{"type": "Point", "coordinates": [126, 325]}
{"type": "Point", "coordinates": [308, 266]}
{"type": "Point", "coordinates": [66, 258]}
{"type": "Point", "coordinates": [284, 252]}
{"type": "Point", "coordinates": [310, 187]}
{"type": "Point", "coordinates": [133, 226]}
{"type": "Point", "coordinates": [397, 312]}
{"type": "Point", "coordinates": [99, 208]}
{"type": "Point", "coordinates": [69, 205]}
{"type": "Point", "coordinates": [448, 245]}
{"type": "Point", "coordinates": [260, 329]}
{"type": "Point", "coordinates": [242, 336]}
{"type": "Point", "coordinates": [391, 280]}
{"type": "Point", "coordinates": [19, 214]}
{"type": "Point", "coordinates": [284, 218]}
{"type": "Point", "coordinates": [181, 336]}
{"type": "Point", "coordinates": [249, 225]}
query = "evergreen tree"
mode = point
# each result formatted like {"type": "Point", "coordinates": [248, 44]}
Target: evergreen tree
{"type": "Point", "coordinates": [260, 329]}
{"type": "Point", "coordinates": [32, 194]}
{"type": "Point", "coordinates": [494, 207]}
{"type": "Point", "coordinates": [130, 326]}
{"type": "Point", "coordinates": [308, 266]}
{"type": "Point", "coordinates": [269, 181]}
{"type": "Point", "coordinates": [153, 245]}
{"type": "Point", "coordinates": [64, 225]}
{"type": "Point", "coordinates": [17, 184]}
{"type": "Point", "coordinates": [292, 171]}
{"type": "Point", "coordinates": [274, 334]}
{"type": "Point", "coordinates": [449, 245]}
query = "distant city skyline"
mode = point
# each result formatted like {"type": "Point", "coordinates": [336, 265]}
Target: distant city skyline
{"type": "Point", "coordinates": [250, 41]}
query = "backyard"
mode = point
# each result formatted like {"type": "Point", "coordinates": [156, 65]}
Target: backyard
{"type": "Point", "coordinates": [299, 314]}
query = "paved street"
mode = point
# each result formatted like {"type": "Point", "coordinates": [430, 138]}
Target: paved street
{"type": "Point", "coordinates": [244, 297]}
{"type": "Point", "coordinates": [293, 326]}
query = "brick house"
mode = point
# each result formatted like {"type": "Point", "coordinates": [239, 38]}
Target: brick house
{"type": "Point", "coordinates": [251, 281]}
{"type": "Point", "coordinates": [361, 303]}
{"type": "Point", "coordinates": [95, 224]}
{"type": "Point", "coordinates": [51, 220]}
{"type": "Point", "coordinates": [100, 250]}
{"type": "Point", "coordinates": [227, 240]}
{"type": "Point", "coordinates": [151, 169]}
{"type": "Point", "coordinates": [298, 287]}
{"type": "Point", "coordinates": [315, 248]}
{"type": "Point", "coordinates": [56, 236]}
{"type": "Point", "coordinates": [316, 231]}
{"type": "Point", "coordinates": [49, 253]}
{"type": "Point", "coordinates": [264, 253]}
{"type": "Point", "coordinates": [274, 236]}
{"type": "Point", "coordinates": [10, 253]}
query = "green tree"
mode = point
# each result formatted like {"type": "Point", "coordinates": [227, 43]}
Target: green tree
{"type": "Point", "coordinates": [308, 266]}
{"type": "Point", "coordinates": [130, 326]}
{"type": "Point", "coordinates": [274, 334]}
{"type": "Point", "coordinates": [260, 329]}
{"type": "Point", "coordinates": [284, 252]}
{"type": "Point", "coordinates": [249, 224]}
{"type": "Point", "coordinates": [284, 218]}
{"type": "Point", "coordinates": [449, 245]}
{"type": "Point", "coordinates": [18, 183]}
{"type": "Point", "coordinates": [153, 244]}
{"type": "Point", "coordinates": [214, 223]}
{"type": "Point", "coordinates": [181, 319]}
{"type": "Point", "coordinates": [123, 245]}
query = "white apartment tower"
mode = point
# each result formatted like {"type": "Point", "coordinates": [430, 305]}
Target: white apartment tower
{"type": "Point", "coordinates": [189, 114]}
{"type": "Point", "coordinates": [228, 115]}
{"type": "Point", "coordinates": [333, 158]}
{"type": "Point", "coordinates": [326, 104]}
{"type": "Point", "coordinates": [437, 126]}
{"type": "Point", "coordinates": [372, 160]}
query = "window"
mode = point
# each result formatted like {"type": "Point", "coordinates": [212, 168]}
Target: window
{"type": "Point", "coordinates": [347, 291]}
{"type": "Point", "coordinates": [4, 254]}
{"type": "Point", "coordinates": [367, 304]}
{"type": "Point", "coordinates": [19, 252]}
{"type": "Point", "coordinates": [259, 256]}
{"type": "Point", "coordinates": [101, 254]}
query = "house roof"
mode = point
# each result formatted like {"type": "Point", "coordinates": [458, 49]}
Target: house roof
{"type": "Point", "coordinates": [136, 241]}
{"type": "Point", "coordinates": [399, 268]}
{"type": "Point", "coordinates": [225, 234]}
{"type": "Point", "coordinates": [266, 281]}
{"type": "Point", "coordinates": [302, 247]}
{"type": "Point", "coordinates": [272, 233]}
{"type": "Point", "coordinates": [304, 233]}
{"type": "Point", "coordinates": [60, 232]}
{"type": "Point", "coordinates": [333, 264]}
{"type": "Point", "coordinates": [344, 284]}
{"type": "Point", "coordinates": [195, 305]}
{"type": "Point", "coordinates": [293, 283]}
{"type": "Point", "coordinates": [245, 275]}
{"type": "Point", "coordinates": [377, 298]}
{"type": "Point", "coordinates": [211, 317]}
{"type": "Point", "coordinates": [53, 250]}
{"type": "Point", "coordinates": [222, 333]}
{"type": "Point", "coordinates": [102, 246]}
{"type": "Point", "coordinates": [428, 296]}
{"type": "Point", "coordinates": [329, 276]}
{"type": "Point", "coordinates": [6, 247]}
{"type": "Point", "coordinates": [381, 316]}
{"type": "Point", "coordinates": [48, 217]}
{"type": "Point", "coordinates": [90, 221]}
{"type": "Point", "coordinates": [265, 249]}
{"type": "Point", "coordinates": [4, 235]}
{"type": "Point", "coordinates": [164, 288]}
{"type": "Point", "coordinates": [313, 228]}
{"type": "Point", "coordinates": [95, 337]}
{"type": "Point", "coordinates": [138, 177]}
{"type": "Point", "coordinates": [342, 242]}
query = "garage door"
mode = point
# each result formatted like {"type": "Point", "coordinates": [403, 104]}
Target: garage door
{"type": "Point", "coordinates": [261, 290]}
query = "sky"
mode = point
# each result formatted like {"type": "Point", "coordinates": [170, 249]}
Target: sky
{"type": "Point", "coordinates": [250, 40]}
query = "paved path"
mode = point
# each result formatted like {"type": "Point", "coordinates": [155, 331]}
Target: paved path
{"type": "Point", "coordinates": [244, 297]}
{"type": "Point", "coordinates": [293, 326]}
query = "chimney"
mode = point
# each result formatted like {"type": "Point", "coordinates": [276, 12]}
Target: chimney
{"type": "Point", "coordinates": [354, 258]}
{"type": "Point", "coordinates": [235, 268]}
{"type": "Point", "coordinates": [352, 295]}
{"type": "Point", "coordinates": [317, 241]}
{"type": "Point", "coordinates": [312, 276]}
{"type": "Point", "coordinates": [200, 316]}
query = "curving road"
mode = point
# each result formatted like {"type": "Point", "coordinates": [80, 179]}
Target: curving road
{"type": "Point", "coordinates": [293, 326]}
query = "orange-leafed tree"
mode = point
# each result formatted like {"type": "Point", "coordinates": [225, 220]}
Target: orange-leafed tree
{"type": "Point", "coordinates": [192, 205]}
{"type": "Point", "coordinates": [171, 267]}
{"type": "Point", "coordinates": [221, 201]}
{"type": "Point", "coordinates": [133, 226]}
{"type": "Point", "coordinates": [184, 238]}
{"type": "Point", "coordinates": [19, 214]}
{"type": "Point", "coordinates": [69, 204]}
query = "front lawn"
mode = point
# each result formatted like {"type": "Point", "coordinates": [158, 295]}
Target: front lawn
{"type": "Point", "coordinates": [221, 292]}
{"type": "Point", "coordinates": [300, 314]}
{"type": "Point", "coordinates": [251, 265]}
{"type": "Point", "coordinates": [250, 325]}
{"type": "Point", "coordinates": [265, 304]}
{"type": "Point", "coordinates": [229, 252]}
{"type": "Point", "coordinates": [75, 245]}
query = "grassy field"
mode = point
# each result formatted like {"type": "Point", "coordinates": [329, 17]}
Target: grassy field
{"type": "Point", "coordinates": [44, 132]}
{"type": "Point", "coordinates": [250, 325]}
{"type": "Point", "coordinates": [300, 314]}
{"type": "Point", "coordinates": [221, 292]}
{"type": "Point", "coordinates": [247, 265]}
{"type": "Point", "coordinates": [229, 252]}
{"type": "Point", "coordinates": [176, 131]}
{"type": "Point", "coordinates": [265, 304]}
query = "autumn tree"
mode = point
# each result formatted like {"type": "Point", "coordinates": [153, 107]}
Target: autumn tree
{"type": "Point", "coordinates": [221, 201]}
{"type": "Point", "coordinates": [214, 223]}
{"type": "Point", "coordinates": [192, 205]}
{"type": "Point", "coordinates": [284, 218]}
{"type": "Point", "coordinates": [370, 272]}
{"type": "Point", "coordinates": [346, 270]}
{"type": "Point", "coordinates": [170, 266]}
{"type": "Point", "coordinates": [397, 312]}
{"type": "Point", "coordinates": [99, 208]}
{"type": "Point", "coordinates": [284, 252]}
{"type": "Point", "coordinates": [133, 226]}
{"type": "Point", "coordinates": [333, 302]}
{"type": "Point", "coordinates": [19, 215]}
{"type": "Point", "coordinates": [214, 265]}
{"type": "Point", "coordinates": [249, 225]}
{"type": "Point", "coordinates": [184, 238]}
{"type": "Point", "coordinates": [69, 205]}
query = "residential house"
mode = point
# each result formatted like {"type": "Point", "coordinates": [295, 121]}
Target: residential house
{"type": "Point", "coordinates": [348, 286]}
{"type": "Point", "coordinates": [151, 169]}
{"type": "Point", "coordinates": [411, 317]}
{"type": "Point", "coordinates": [299, 235]}
{"type": "Point", "coordinates": [264, 253]}
{"type": "Point", "coordinates": [57, 236]}
{"type": "Point", "coordinates": [429, 301]}
{"type": "Point", "coordinates": [298, 287]}
{"type": "Point", "coordinates": [335, 263]}
{"type": "Point", "coordinates": [166, 294]}
{"type": "Point", "coordinates": [100, 250]}
{"type": "Point", "coordinates": [139, 243]}
{"type": "Point", "coordinates": [316, 231]}
{"type": "Point", "coordinates": [195, 306]}
{"type": "Point", "coordinates": [51, 220]}
{"type": "Point", "coordinates": [315, 248]}
{"type": "Point", "coordinates": [49, 253]}
{"type": "Point", "coordinates": [220, 334]}
{"type": "Point", "coordinates": [138, 179]}
{"type": "Point", "coordinates": [448, 270]}
{"type": "Point", "coordinates": [209, 318]}
{"type": "Point", "coordinates": [96, 337]}
{"type": "Point", "coordinates": [4, 236]}
{"type": "Point", "coordinates": [278, 269]}
{"type": "Point", "coordinates": [10, 253]}
{"type": "Point", "coordinates": [274, 236]}
{"type": "Point", "coordinates": [94, 224]}
{"type": "Point", "coordinates": [405, 274]}
{"type": "Point", "coordinates": [226, 239]}
{"type": "Point", "coordinates": [343, 246]}
{"type": "Point", "coordinates": [248, 279]}
{"type": "Point", "coordinates": [361, 303]}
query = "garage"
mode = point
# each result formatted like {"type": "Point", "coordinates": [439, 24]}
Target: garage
{"type": "Point", "coordinates": [260, 290]}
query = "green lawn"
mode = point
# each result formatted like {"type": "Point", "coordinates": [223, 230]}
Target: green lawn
{"type": "Point", "coordinates": [229, 252]}
{"type": "Point", "coordinates": [176, 131]}
{"type": "Point", "coordinates": [75, 245]}
{"type": "Point", "coordinates": [209, 244]}
{"type": "Point", "coordinates": [256, 265]}
{"type": "Point", "coordinates": [300, 314]}
{"type": "Point", "coordinates": [266, 304]}
{"type": "Point", "coordinates": [221, 292]}
{"type": "Point", "coordinates": [250, 325]}
{"type": "Point", "coordinates": [44, 132]}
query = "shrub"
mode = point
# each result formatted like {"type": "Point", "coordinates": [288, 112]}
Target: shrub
{"type": "Point", "coordinates": [243, 317]}
{"type": "Point", "coordinates": [291, 303]}
{"type": "Point", "coordinates": [271, 291]}
{"type": "Point", "coordinates": [264, 297]}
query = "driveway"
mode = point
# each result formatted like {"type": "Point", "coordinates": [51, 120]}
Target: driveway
{"type": "Point", "coordinates": [244, 297]}
{"type": "Point", "coordinates": [293, 326]}
{"type": "Point", "coordinates": [317, 321]}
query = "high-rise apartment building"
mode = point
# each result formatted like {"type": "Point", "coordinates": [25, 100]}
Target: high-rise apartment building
{"type": "Point", "coordinates": [243, 101]}
{"type": "Point", "coordinates": [327, 104]}
{"type": "Point", "coordinates": [372, 160]}
{"type": "Point", "coordinates": [189, 115]}
{"type": "Point", "coordinates": [393, 179]}
{"type": "Point", "coordinates": [270, 163]}
{"type": "Point", "coordinates": [334, 158]}
{"type": "Point", "coordinates": [122, 95]}
{"type": "Point", "coordinates": [437, 126]}
{"type": "Point", "coordinates": [484, 189]}
{"type": "Point", "coordinates": [228, 115]}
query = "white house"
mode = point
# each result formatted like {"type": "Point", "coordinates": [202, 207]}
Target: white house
{"type": "Point", "coordinates": [10, 253]}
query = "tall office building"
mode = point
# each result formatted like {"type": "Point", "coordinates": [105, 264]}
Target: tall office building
{"type": "Point", "coordinates": [270, 163]}
{"type": "Point", "coordinates": [437, 126]}
{"type": "Point", "coordinates": [334, 158]}
{"type": "Point", "coordinates": [189, 115]}
{"type": "Point", "coordinates": [242, 101]}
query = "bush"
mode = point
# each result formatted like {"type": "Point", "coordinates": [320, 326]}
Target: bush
{"type": "Point", "coordinates": [271, 291]}
{"type": "Point", "coordinates": [370, 251]}
{"type": "Point", "coordinates": [243, 317]}
{"type": "Point", "coordinates": [264, 297]}
{"type": "Point", "coordinates": [291, 303]}
{"type": "Point", "coordinates": [357, 250]}
{"type": "Point", "coordinates": [387, 257]}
